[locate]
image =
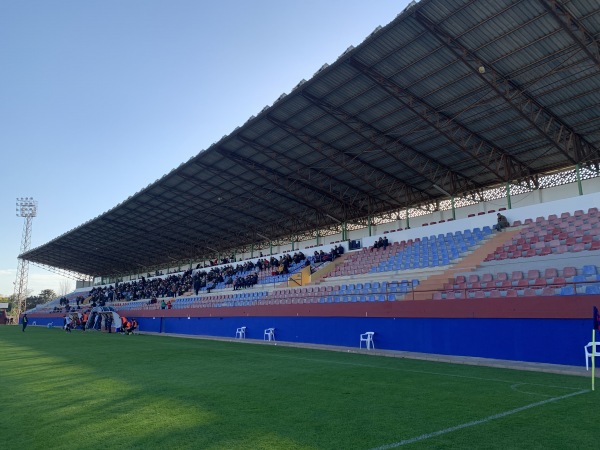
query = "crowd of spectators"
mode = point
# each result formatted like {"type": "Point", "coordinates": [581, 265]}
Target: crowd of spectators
{"type": "Point", "coordinates": [240, 276]}
{"type": "Point", "coordinates": [335, 252]}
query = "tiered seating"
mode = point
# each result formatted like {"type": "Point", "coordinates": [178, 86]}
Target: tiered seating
{"type": "Point", "coordinates": [370, 291]}
{"type": "Point", "coordinates": [534, 282]}
{"type": "Point", "coordinates": [432, 251]}
{"type": "Point", "coordinates": [293, 268]}
{"type": "Point", "coordinates": [364, 260]}
{"type": "Point", "coordinates": [559, 235]}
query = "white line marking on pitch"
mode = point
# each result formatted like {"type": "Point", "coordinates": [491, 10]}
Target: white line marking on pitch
{"type": "Point", "coordinates": [478, 422]}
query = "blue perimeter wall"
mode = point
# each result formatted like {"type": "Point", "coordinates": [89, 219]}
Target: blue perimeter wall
{"type": "Point", "coordinates": [555, 341]}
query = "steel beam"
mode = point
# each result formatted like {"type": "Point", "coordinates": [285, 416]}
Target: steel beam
{"type": "Point", "coordinates": [575, 29]}
{"type": "Point", "coordinates": [295, 186]}
{"type": "Point", "coordinates": [487, 155]}
{"type": "Point", "coordinates": [377, 178]}
{"type": "Point", "coordinates": [550, 127]}
{"type": "Point", "coordinates": [413, 160]}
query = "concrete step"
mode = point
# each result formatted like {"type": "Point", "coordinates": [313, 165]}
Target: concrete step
{"type": "Point", "coordinates": [468, 263]}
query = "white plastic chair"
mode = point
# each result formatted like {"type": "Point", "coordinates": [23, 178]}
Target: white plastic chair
{"type": "Point", "coordinates": [240, 333]}
{"type": "Point", "coordinates": [269, 334]}
{"type": "Point", "coordinates": [588, 353]}
{"type": "Point", "coordinates": [367, 338]}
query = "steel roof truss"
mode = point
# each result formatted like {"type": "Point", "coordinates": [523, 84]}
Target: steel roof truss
{"type": "Point", "coordinates": [583, 38]}
{"type": "Point", "coordinates": [557, 133]}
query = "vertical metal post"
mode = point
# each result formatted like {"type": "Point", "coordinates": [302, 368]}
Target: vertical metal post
{"type": "Point", "coordinates": [344, 231]}
{"type": "Point", "coordinates": [579, 185]}
{"type": "Point", "coordinates": [407, 219]}
{"type": "Point", "coordinates": [508, 202]}
{"type": "Point", "coordinates": [252, 250]}
{"type": "Point", "coordinates": [369, 225]}
{"type": "Point", "coordinates": [453, 208]}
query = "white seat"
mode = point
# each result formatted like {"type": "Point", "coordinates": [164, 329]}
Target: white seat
{"type": "Point", "coordinates": [240, 333]}
{"type": "Point", "coordinates": [588, 353]}
{"type": "Point", "coordinates": [269, 334]}
{"type": "Point", "coordinates": [367, 338]}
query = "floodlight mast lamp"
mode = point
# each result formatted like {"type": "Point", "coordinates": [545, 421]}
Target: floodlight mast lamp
{"type": "Point", "coordinates": [26, 208]}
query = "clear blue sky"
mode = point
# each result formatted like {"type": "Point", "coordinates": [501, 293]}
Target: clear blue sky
{"type": "Point", "coordinates": [99, 98]}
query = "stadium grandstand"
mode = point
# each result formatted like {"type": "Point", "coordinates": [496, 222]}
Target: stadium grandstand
{"type": "Point", "coordinates": [367, 199]}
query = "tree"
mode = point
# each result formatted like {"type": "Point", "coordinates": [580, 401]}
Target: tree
{"type": "Point", "coordinates": [47, 294]}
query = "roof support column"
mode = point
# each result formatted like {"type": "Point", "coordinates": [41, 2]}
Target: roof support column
{"type": "Point", "coordinates": [508, 202]}
{"type": "Point", "coordinates": [579, 186]}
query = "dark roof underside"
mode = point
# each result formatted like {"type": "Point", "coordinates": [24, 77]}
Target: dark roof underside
{"type": "Point", "coordinates": [459, 94]}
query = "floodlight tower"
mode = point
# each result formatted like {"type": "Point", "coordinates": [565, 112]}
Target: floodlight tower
{"type": "Point", "coordinates": [26, 208]}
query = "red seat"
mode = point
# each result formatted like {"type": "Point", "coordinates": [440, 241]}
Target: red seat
{"type": "Point", "coordinates": [550, 273]}
{"type": "Point", "coordinates": [533, 274]}
{"type": "Point", "coordinates": [512, 293]}
{"type": "Point", "coordinates": [473, 278]}
{"type": "Point", "coordinates": [486, 277]}
{"type": "Point", "coordinates": [517, 275]}
{"type": "Point", "coordinates": [548, 291]}
{"type": "Point", "coordinates": [569, 272]}
{"type": "Point", "coordinates": [501, 276]}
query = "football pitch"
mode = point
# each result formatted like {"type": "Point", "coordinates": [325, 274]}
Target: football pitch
{"type": "Point", "coordinates": [95, 390]}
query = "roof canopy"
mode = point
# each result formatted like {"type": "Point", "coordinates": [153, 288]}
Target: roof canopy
{"type": "Point", "coordinates": [453, 95]}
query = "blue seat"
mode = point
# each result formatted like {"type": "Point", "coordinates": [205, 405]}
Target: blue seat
{"type": "Point", "coordinates": [589, 270]}
{"type": "Point", "coordinates": [592, 289]}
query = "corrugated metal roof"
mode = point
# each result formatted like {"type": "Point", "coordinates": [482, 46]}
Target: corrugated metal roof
{"type": "Point", "coordinates": [460, 94]}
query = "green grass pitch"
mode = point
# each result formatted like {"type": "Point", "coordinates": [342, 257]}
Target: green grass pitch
{"type": "Point", "coordinates": [95, 390]}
